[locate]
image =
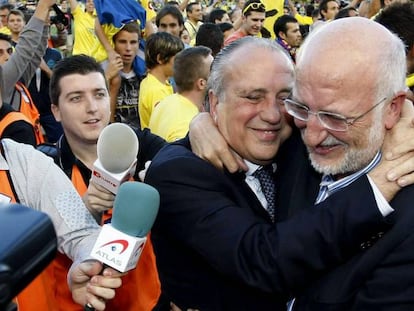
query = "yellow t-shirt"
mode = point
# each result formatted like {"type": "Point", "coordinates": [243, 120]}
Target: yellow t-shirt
{"type": "Point", "coordinates": [86, 42]}
{"type": "Point", "coordinates": [5, 30]}
{"type": "Point", "coordinates": [410, 80]}
{"type": "Point", "coordinates": [151, 92]}
{"type": "Point", "coordinates": [171, 118]}
{"type": "Point", "coordinates": [192, 30]}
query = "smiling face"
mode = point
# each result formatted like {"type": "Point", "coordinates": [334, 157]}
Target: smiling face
{"type": "Point", "coordinates": [351, 88]}
{"type": "Point", "coordinates": [253, 23]}
{"type": "Point", "coordinates": [248, 113]}
{"type": "Point", "coordinates": [83, 108]}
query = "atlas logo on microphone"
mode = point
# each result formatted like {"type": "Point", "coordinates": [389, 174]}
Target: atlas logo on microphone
{"type": "Point", "coordinates": [111, 250]}
{"type": "Point", "coordinates": [117, 249]}
{"type": "Point", "coordinates": [115, 245]}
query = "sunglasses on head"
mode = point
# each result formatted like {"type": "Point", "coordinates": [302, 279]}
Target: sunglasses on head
{"type": "Point", "coordinates": [254, 6]}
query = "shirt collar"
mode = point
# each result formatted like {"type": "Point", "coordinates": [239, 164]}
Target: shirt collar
{"type": "Point", "coordinates": [252, 167]}
{"type": "Point", "coordinates": [327, 180]}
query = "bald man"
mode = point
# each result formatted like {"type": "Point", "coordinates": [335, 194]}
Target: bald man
{"type": "Point", "coordinates": [343, 120]}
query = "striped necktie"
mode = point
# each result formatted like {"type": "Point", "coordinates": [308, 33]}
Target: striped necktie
{"type": "Point", "coordinates": [267, 183]}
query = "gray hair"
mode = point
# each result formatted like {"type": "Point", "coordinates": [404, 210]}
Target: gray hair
{"type": "Point", "coordinates": [222, 63]}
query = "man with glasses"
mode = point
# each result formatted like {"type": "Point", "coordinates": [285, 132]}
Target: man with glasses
{"type": "Point", "coordinates": [253, 16]}
{"type": "Point", "coordinates": [4, 12]}
{"type": "Point", "coordinates": [217, 238]}
{"type": "Point", "coordinates": [343, 110]}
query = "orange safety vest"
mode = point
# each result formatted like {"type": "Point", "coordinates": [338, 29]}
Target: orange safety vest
{"type": "Point", "coordinates": [14, 116]}
{"type": "Point", "coordinates": [38, 294]}
{"type": "Point", "coordinates": [140, 288]}
{"type": "Point", "coordinates": [28, 108]}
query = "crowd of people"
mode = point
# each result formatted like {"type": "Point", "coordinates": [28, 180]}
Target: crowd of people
{"type": "Point", "coordinates": [279, 135]}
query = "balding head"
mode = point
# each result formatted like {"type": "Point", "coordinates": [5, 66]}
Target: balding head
{"type": "Point", "coordinates": [351, 74]}
{"type": "Point", "coordinates": [348, 49]}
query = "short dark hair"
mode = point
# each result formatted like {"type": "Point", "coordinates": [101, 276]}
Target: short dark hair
{"type": "Point", "coordinates": [78, 64]}
{"type": "Point", "coordinates": [188, 67]}
{"type": "Point", "coordinates": [7, 6]}
{"type": "Point", "coordinates": [344, 12]}
{"type": "Point", "coordinates": [189, 7]}
{"type": "Point", "coordinates": [131, 27]}
{"type": "Point", "coordinates": [169, 10]}
{"type": "Point", "coordinates": [253, 6]}
{"type": "Point", "coordinates": [225, 26]}
{"type": "Point", "coordinates": [161, 46]}
{"type": "Point", "coordinates": [216, 14]}
{"type": "Point", "coordinates": [398, 17]}
{"type": "Point", "coordinates": [323, 6]}
{"type": "Point", "coordinates": [5, 37]}
{"type": "Point", "coordinates": [280, 24]}
{"type": "Point", "coordinates": [16, 12]}
{"type": "Point", "coordinates": [210, 35]}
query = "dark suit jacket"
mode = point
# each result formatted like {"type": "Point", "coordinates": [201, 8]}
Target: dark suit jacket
{"type": "Point", "coordinates": [217, 249]}
{"type": "Point", "coordinates": [381, 275]}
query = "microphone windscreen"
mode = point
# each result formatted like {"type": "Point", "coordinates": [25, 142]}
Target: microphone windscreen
{"type": "Point", "coordinates": [117, 147]}
{"type": "Point", "coordinates": [135, 208]}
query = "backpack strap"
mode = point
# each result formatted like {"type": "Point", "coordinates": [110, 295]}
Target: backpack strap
{"type": "Point", "coordinates": [54, 151]}
{"type": "Point", "coordinates": [8, 174]}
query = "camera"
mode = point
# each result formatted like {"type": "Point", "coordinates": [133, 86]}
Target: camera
{"type": "Point", "coordinates": [59, 18]}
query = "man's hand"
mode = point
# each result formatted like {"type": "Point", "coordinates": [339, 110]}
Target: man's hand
{"type": "Point", "coordinates": [397, 164]}
{"type": "Point", "coordinates": [88, 287]}
{"type": "Point", "coordinates": [42, 9]}
{"type": "Point", "coordinates": [398, 142]}
{"type": "Point", "coordinates": [207, 143]}
{"type": "Point", "coordinates": [98, 200]}
{"type": "Point", "coordinates": [115, 65]}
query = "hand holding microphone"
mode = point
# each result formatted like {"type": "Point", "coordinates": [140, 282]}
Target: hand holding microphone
{"type": "Point", "coordinates": [117, 149]}
{"type": "Point", "coordinates": [120, 244]}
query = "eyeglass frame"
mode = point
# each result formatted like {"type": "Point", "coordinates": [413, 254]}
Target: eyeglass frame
{"type": "Point", "coordinates": [348, 121]}
{"type": "Point", "coordinates": [254, 6]}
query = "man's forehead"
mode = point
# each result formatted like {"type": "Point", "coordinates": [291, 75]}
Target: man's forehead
{"type": "Point", "coordinates": [70, 82]}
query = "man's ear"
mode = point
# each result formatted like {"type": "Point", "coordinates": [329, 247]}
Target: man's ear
{"type": "Point", "coordinates": [56, 112]}
{"type": "Point", "coordinates": [282, 35]}
{"type": "Point", "coordinates": [159, 60]}
{"type": "Point", "coordinates": [213, 103]}
{"type": "Point", "coordinates": [393, 110]}
{"type": "Point", "coordinates": [201, 84]}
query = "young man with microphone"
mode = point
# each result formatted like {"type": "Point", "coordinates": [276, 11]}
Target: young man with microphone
{"type": "Point", "coordinates": [80, 101]}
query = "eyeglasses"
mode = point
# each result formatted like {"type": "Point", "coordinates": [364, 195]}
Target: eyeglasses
{"type": "Point", "coordinates": [254, 6]}
{"type": "Point", "coordinates": [8, 51]}
{"type": "Point", "coordinates": [329, 120]}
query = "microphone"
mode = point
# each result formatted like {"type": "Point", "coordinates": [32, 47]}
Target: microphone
{"type": "Point", "coordinates": [117, 150]}
{"type": "Point", "coordinates": [120, 243]}
{"type": "Point", "coordinates": [25, 249]}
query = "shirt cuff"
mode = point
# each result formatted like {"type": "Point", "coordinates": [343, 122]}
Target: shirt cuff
{"type": "Point", "coordinates": [383, 206]}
